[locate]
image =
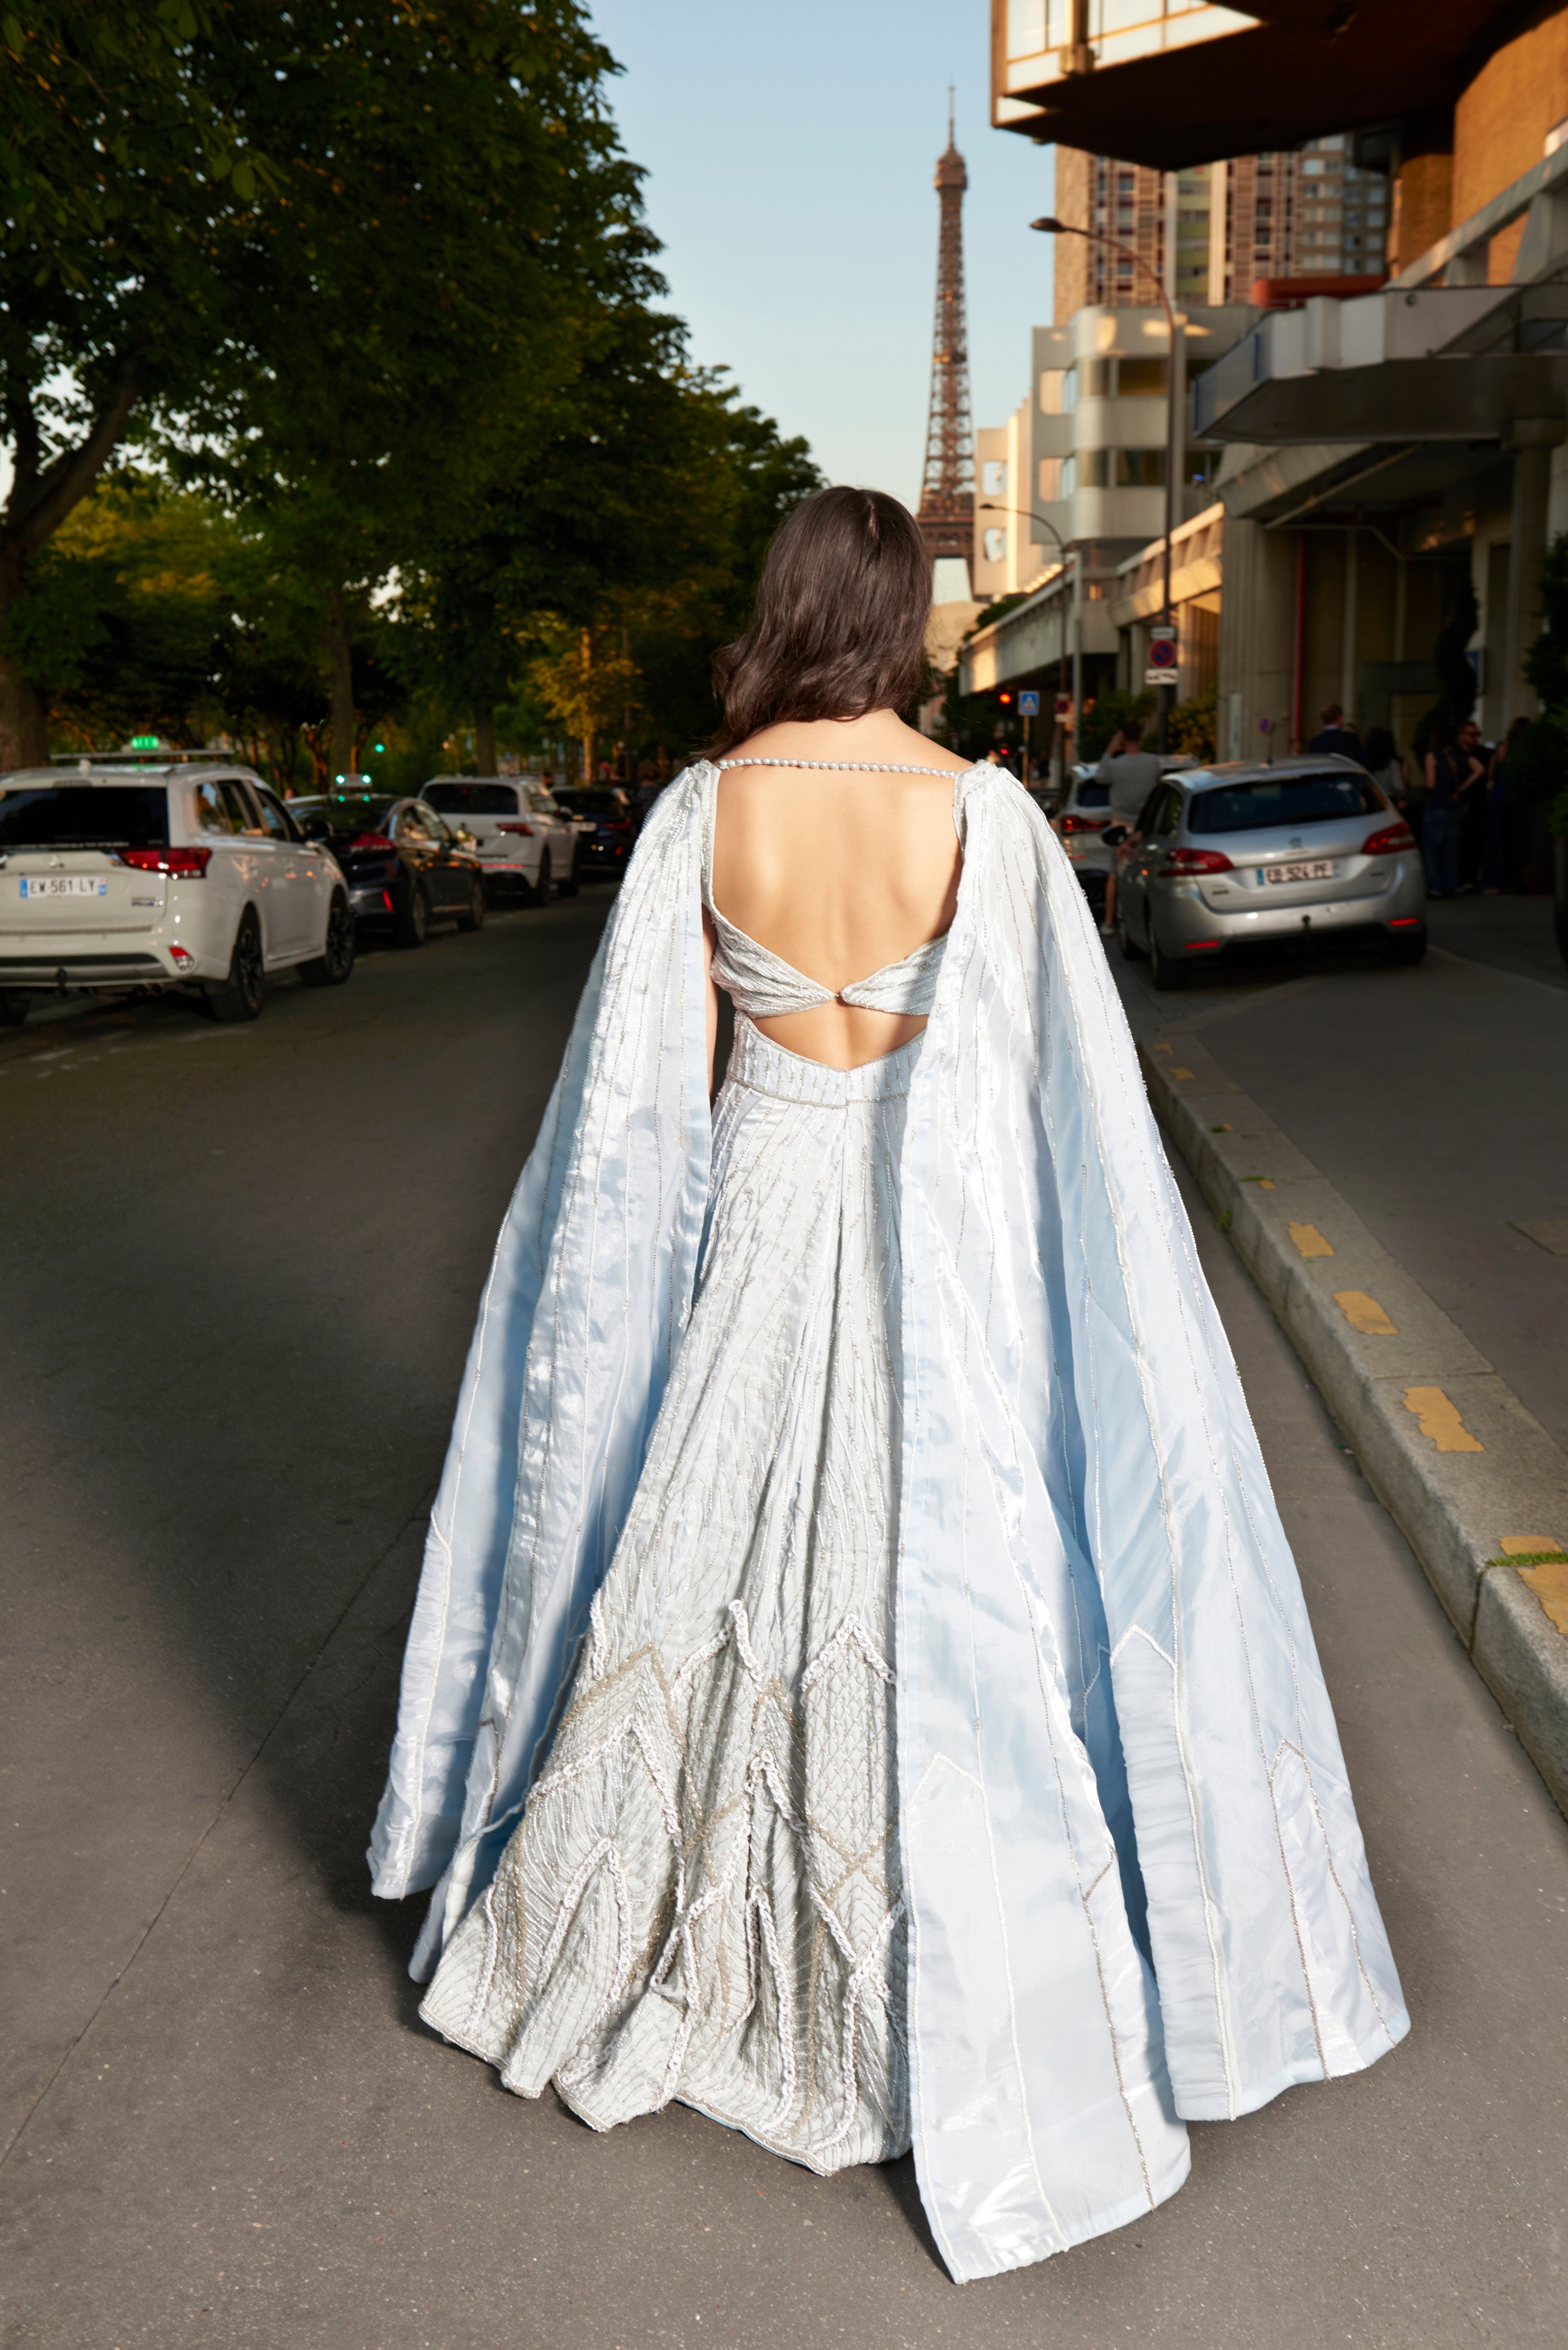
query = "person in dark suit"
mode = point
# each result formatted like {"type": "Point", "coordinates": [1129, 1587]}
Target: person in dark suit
{"type": "Point", "coordinates": [1334, 736]}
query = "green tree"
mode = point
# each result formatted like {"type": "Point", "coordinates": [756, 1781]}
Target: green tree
{"type": "Point", "coordinates": [459, 220]}
{"type": "Point", "coordinates": [126, 185]}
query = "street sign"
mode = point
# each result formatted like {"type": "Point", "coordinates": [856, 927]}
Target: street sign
{"type": "Point", "coordinates": [1063, 705]}
{"type": "Point", "coordinates": [1028, 703]}
{"type": "Point", "coordinates": [1164, 658]}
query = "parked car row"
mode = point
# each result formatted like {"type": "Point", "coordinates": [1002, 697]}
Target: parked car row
{"type": "Point", "coordinates": [120, 875]}
{"type": "Point", "coordinates": [1235, 855]}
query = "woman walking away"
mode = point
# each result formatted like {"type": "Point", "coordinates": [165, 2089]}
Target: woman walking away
{"type": "Point", "coordinates": [860, 1686]}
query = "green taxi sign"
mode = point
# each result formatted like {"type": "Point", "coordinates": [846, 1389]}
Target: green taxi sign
{"type": "Point", "coordinates": [144, 741]}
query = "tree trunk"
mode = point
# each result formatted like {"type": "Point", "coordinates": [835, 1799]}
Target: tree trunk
{"type": "Point", "coordinates": [485, 742]}
{"type": "Point", "coordinates": [588, 707]}
{"type": "Point", "coordinates": [24, 713]}
{"type": "Point", "coordinates": [340, 646]}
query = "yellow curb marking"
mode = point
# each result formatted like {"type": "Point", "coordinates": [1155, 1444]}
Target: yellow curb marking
{"type": "Point", "coordinates": [1181, 1073]}
{"type": "Point", "coordinates": [1438, 1418]}
{"type": "Point", "coordinates": [1548, 1579]}
{"type": "Point", "coordinates": [1221, 1129]}
{"type": "Point", "coordinates": [1263, 1183]}
{"type": "Point", "coordinates": [1309, 1241]}
{"type": "Point", "coordinates": [1365, 1314]}
{"type": "Point", "coordinates": [1164, 1048]}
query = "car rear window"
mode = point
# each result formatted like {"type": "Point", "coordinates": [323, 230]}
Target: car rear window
{"type": "Point", "coordinates": [1270, 803]}
{"type": "Point", "coordinates": [595, 803]}
{"type": "Point", "coordinates": [84, 815]}
{"type": "Point", "coordinates": [344, 817]}
{"type": "Point", "coordinates": [1092, 795]}
{"type": "Point", "coordinates": [472, 799]}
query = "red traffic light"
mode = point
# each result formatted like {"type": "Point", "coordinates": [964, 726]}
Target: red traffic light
{"type": "Point", "coordinates": [1004, 698]}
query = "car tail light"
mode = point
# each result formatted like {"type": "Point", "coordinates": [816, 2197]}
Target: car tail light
{"type": "Point", "coordinates": [187, 864]}
{"type": "Point", "coordinates": [386, 902]}
{"type": "Point", "coordinates": [375, 840]}
{"type": "Point", "coordinates": [1084, 823]}
{"type": "Point", "coordinates": [1197, 860]}
{"type": "Point", "coordinates": [1389, 841]}
{"type": "Point", "coordinates": [1201, 946]}
{"type": "Point", "coordinates": [1406, 922]}
{"type": "Point", "coordinates": [525, 829]}
{"type": "Point", "coordinates": [180, 956]}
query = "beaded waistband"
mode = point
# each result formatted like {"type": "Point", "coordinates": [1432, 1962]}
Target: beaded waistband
{"type": "Point", "coordinates": [764, 1068]}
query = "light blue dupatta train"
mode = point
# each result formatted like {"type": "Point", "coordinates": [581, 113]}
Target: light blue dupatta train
{"type": "Point", "coordinates": [1135, 1884]}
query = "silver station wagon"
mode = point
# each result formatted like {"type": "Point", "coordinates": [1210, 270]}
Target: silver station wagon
{"type": "Point", "coordinates": [1235, 855]}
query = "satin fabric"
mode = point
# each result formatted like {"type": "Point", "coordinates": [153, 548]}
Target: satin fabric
{"type": "Point", "coordinates": [1135, 1884]}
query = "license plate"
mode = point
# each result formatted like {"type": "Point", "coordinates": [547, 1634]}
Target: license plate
{"type": "Point", "coordinates": [1320, 869]}
{"type": "Point", "coordinates": [62, 885]}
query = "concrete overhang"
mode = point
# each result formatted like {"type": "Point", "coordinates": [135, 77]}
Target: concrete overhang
{"type": "Point", "coordinates": [1191, 84]}
{"type": "Point", "coordinates": [1448, 363]}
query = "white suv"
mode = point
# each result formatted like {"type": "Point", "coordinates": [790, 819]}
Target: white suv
{"type": "Point", "coordinates": [156, 874]}
{"type": "Point", "coordinates": [522, 838]}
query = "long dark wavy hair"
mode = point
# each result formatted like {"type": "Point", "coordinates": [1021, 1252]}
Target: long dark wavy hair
{"type": "Point", "coordinates": [839, 627]}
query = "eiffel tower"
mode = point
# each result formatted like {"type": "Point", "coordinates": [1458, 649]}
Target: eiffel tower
{"type": "Point", "coordinates": [947, 492]}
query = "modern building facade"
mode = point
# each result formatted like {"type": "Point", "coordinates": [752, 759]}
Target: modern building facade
{"type": "Point", "coordinates": [1382, 449]}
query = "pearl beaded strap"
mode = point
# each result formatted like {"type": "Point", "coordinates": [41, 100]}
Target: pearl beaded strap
{"type": "Point", "coordinates": [846, 767]}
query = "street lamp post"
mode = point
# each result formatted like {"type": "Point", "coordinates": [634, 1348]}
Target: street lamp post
{"type": "Point", "coordinates": [1068, 554]}
{"type": "Point", "coordinates": [1172, 420]}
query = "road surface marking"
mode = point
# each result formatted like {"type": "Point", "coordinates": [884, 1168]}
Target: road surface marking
{"type": "Point", "coordinates": [1365, 1314]}
{"type": "Point", "coordinates": [1164, 1048]}
{"type": "Point", "coordinates": [1221, 1129]}
{"type": "Point", "coordinates": [1438, 1418]}
{"type": "Point", "coordinates": [1309, 1241]}
{"type": "Point", "coordinates": [1263, 1183]}
{"type": "Point", "coordinates": [1181, 1073]}
{"type": "Point", "coordinates": [1548, 1578]}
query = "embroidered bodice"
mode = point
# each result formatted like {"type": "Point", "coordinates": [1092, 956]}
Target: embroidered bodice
{"type": "Point", "coordinates": [762, 985]}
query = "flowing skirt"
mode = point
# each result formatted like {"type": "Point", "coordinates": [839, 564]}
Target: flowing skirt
{"type": "Point", "coordinates": [702, 1900]}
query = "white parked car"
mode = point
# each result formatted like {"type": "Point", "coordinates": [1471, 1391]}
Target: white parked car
{"type": "Point", "coordinates": [521, 837]}
{"type": "Point", "coordinates": [139, 875]}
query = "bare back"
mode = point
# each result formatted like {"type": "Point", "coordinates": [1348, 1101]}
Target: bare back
{"type": "Point", "coordinates": [839, 873]}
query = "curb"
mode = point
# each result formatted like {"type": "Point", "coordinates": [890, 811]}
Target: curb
{"type": "Point", "coordinates": [1475, 1483]}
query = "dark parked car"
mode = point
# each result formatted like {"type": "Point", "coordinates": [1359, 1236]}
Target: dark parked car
{"type": "Point", "coordinates": [402, 865]}
{"type": "Point", "coordinates": [606, 824]}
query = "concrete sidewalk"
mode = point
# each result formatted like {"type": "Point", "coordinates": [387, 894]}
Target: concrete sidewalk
{"type": "Point", "coordinates": [1388, 1152]}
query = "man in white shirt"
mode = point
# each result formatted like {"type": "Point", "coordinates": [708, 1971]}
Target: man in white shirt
{"type": "Point", "coordinates": [1132, 776]}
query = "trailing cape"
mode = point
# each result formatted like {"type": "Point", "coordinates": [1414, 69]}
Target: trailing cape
{"type": "Point", "coordinates": [1135, 1884]}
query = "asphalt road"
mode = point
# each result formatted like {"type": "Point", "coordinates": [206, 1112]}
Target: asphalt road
{"type": "Point", "coordinates": [239, 1276]}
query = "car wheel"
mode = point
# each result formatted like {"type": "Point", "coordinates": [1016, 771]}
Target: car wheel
{"type": "Point", "coordinates": [542, 885]}
{"type": "Point", "coordinates": [240, 996]}
{"type": "Point", "coordinates": [1129, 946]}
{"type": "Point", "coordinates": [1410, 949]}
{"type": "Point", "coordinates": [472, 918]}
{"type": "Point", "coordinates": [13, 1007]}
{"type": "Point", "coordinates": [411, 915]}
{"type": "Point", "coordinates": [1163, 970]}
{"type": "Point", "coordinates": [568, 887]}
{"type": "Point", "coordinates": [335, 963]}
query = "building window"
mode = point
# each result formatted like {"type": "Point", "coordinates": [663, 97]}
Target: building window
{"type": "Point", "coordinates": [1140, 469]}
{"type": "Point", "coordinates": [1069, 476]}
{"type": "Point", "coordinates": [1050, 387]}
{"type": "Point", "coordinates": [1050, 479]}
{"type": "Point", "coordinates": [1094, 469]}
{"type": "Point", "coordinates": [1141, 378]}
{"type": "Point", "coordinates": [1095, 378]}
{"type": "Point", "coordinates": [995, 543]}
{"type": "Point", "coordinates": [994, 477]}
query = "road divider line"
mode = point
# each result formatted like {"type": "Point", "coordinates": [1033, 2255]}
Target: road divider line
{"type": "Point", "coordinates": [1443, 1442]}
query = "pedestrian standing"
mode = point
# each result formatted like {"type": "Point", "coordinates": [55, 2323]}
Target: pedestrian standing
{"type": "Point", "coordinates": [1337, 736]}
{"type": "Point", "coordinates": [1132, 774]}
{"type": "Point", "coordinates": [1385, 767]}
{"type": "Point", "coordinates": [830, 1451]}
{"type": "Point", "coordinates": [1452, 774]}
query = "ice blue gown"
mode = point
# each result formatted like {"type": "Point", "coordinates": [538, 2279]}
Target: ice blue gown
{"type": "Point", "coordinates": [860, 1686]}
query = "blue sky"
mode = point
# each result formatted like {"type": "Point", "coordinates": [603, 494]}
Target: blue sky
{"type": "Point", "coordinates": [790, 146]}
